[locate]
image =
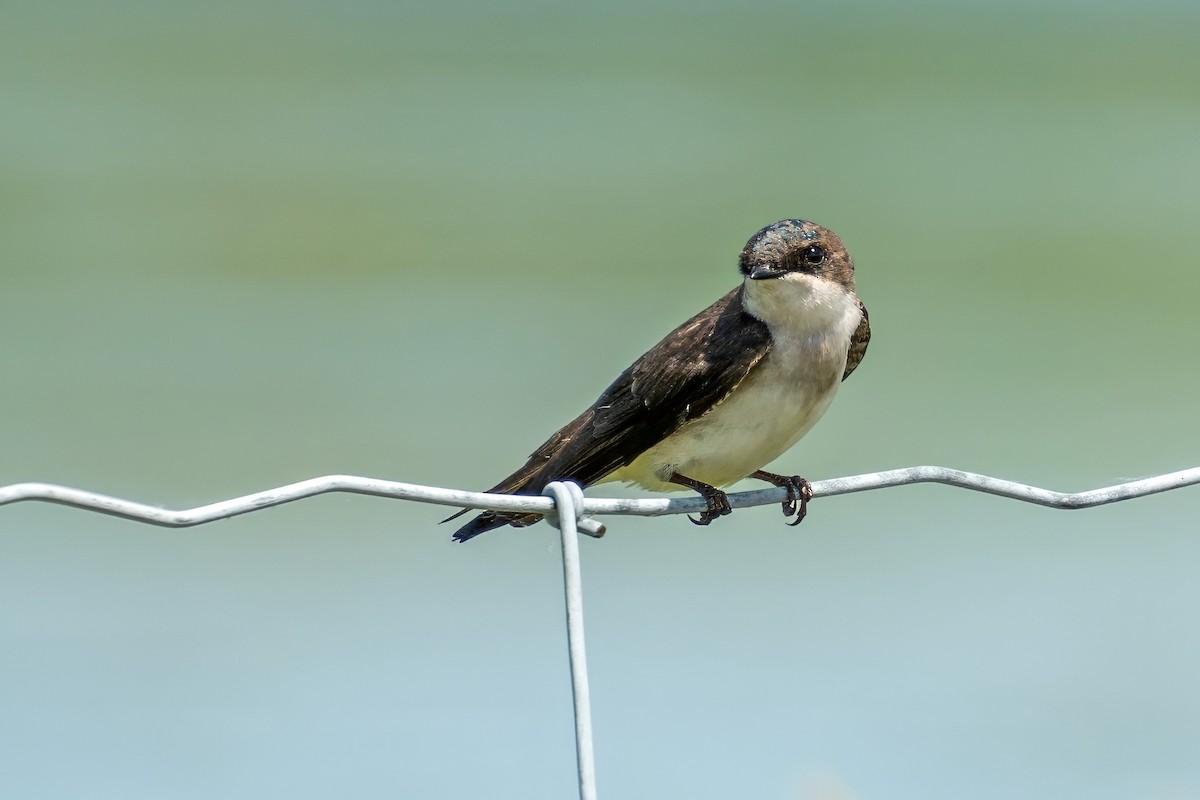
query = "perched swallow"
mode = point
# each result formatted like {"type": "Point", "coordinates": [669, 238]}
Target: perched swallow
{"type": "Point", "coordinates": [723, 394]}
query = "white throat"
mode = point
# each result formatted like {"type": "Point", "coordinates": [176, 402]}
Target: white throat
{"type": "Point", "coordinates": [804, 306]}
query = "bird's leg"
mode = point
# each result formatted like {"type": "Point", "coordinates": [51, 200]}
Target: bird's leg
{"type": "Point", "coordinates": [797, 489]}
{"type": "Point", "coordinates": [718, 503]}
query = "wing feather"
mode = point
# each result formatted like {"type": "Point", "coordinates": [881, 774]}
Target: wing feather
{"type": "Point", "coordinates": [858, 342]}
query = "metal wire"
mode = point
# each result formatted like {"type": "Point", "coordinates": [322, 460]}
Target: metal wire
{"type": "Point", "coordinates": [565, 506]}
{"type": "Point", "coordinates": [568, 498]}
{"type": "Point", "coordinates": [140, 512]}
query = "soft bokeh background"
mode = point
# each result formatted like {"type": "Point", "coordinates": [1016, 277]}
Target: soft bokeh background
{"type": "Point", "coordinates": [249, 243]}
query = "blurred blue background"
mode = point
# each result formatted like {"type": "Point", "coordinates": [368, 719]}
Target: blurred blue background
{"type": "Point", "coordinates": [248, 243]}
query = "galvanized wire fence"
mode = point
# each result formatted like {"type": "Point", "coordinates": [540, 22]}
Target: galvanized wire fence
{"type": "Point", "coordinates": [565, 507]}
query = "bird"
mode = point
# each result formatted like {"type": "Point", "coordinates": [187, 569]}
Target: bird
{"type": "Point", "coordinates": [723, 394]}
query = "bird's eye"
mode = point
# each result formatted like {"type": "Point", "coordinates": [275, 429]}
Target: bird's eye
{"type": "Point", "coordinates": [814, 254]}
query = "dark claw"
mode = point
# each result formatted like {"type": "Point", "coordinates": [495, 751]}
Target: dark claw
{"type": "Point", "coordinates": [789, 505]}
{"type": "Point", "coordinates": [718, 506]}
{"type": "Point", "coordinates": [799, 492]}
{"type": "Point", "coordinates": [805, 496]}
{"type": "Point", "coordinates": [715, 501]}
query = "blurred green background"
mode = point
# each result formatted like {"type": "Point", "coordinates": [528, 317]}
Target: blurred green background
{"type": "Point", "coordinates": [249, 243]}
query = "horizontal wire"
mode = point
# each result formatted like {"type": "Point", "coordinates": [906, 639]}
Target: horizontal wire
{"type": "Point", "coordinates": [140, 512]}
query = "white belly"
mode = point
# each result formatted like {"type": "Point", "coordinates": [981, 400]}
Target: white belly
{"type": "Point", "coordinates": [781, 399]}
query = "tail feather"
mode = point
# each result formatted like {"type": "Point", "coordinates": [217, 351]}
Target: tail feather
{"type": "Point", "coordinates": [529, 479]}
{"type": "Point", "coordinates": [557, 459]}
{"type": "Point", "coordinates": [520, 482]}
{"type": "Point", "coordinates": [490, 520]}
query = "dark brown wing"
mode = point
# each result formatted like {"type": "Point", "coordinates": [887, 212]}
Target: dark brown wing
{"type": "Point", "coordinates": [680, 378]}
{"type": "Point", "coordinates": [858, 342]}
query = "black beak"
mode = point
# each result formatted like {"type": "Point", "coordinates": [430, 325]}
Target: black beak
{"type": "Point", "coordinates": [762, 273]}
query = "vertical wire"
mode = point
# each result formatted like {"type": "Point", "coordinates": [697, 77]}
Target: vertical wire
{"type": "Point", "coordinates": [566, 507]}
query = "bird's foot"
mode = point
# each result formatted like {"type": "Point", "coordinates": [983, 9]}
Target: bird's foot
{"type": "Point", "coordinates": [717, 504]}
{"type": "Point", "coordinates": [799, 492]}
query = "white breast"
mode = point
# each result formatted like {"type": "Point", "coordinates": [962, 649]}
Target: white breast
{"type": "Point", "coordinates": [811, 323]}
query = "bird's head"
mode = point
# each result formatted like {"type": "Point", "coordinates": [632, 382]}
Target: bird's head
{"type": "Point", "coordinates": [796, 267]}
{"type": "Point", "coordinates": [796, 250]}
